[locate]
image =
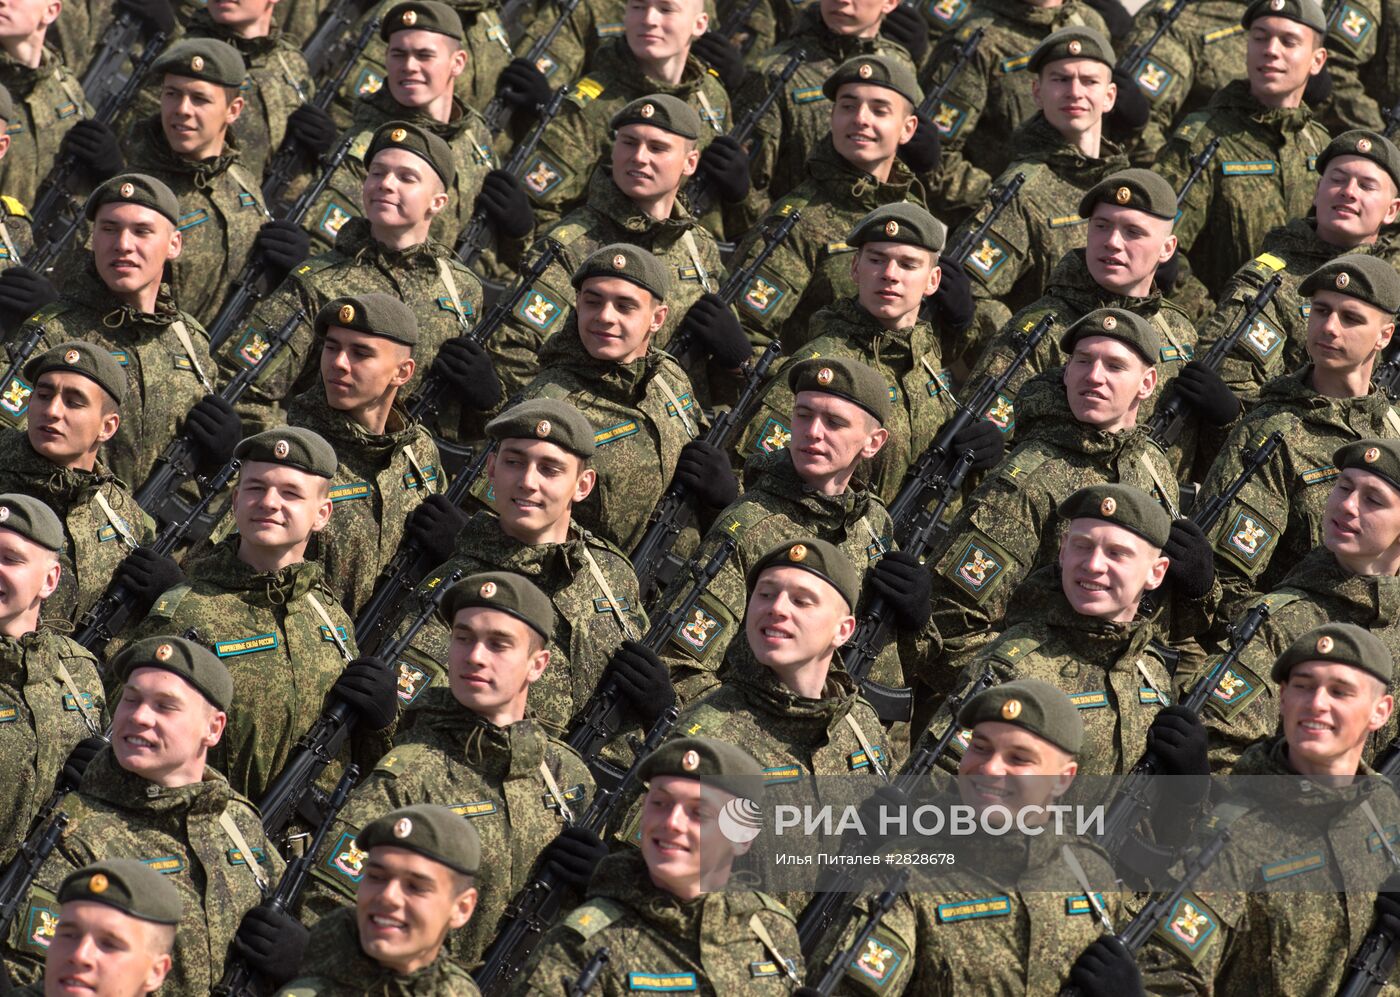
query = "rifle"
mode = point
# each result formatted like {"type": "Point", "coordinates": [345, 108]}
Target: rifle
{"type": "Point", "coordinates": [238, 978]}
{"type": "Point", "coordinates": [318, 747]}
{"type": "Point", "coordinates": [602, 714]}
{"type": "Point", "coordinates": [497, 110]}
{"type": "Point", "coordinates": [175, 465]}
{"type": "Point", "coordinates": [1392, 121]}
{"type": "Point", "coordinates": [836, 969]}
{"type": "Point", "coordinates": [697, 190]}
{"type": "Point", "coordinates": [652, 559]}
{"type": "Point", "coordinates": [327, 46]}
{"type": "Point", "coordinates": [1170, 417]}
{"type": "Point", "coordinates": [1002, 196]}
{"type": "Point", "coordinates": [1386, 377]}
{"type": "Point", "coordinates": [592, 969]}
{"type": "Point", "coordinates": [531, 911]}
{"type": "Point", "coordinates": [734, 22]}
{"type": "Point", "coordinates": [19, 874]}
{"type": "Point", "coordinates": [965, 52]}
{"type": "Point", "coordinates": [14, 386]}
{"type": "Point", "coordinates": [477, 235]}
{"type": "Point", "coordinates": [1129, 63]}
{"type": "Point", "coordinates": [1199, 162]}
{"type": "Point", "coordinates": [116, 46]}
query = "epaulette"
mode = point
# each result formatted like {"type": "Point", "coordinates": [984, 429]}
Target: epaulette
{"type": "Point", "coordinates": [701, 717]}
{"type": "Point", "coordinates": [318, 263]}
{"type": "Point", "coordinates": [743, 518]}
{"type": "Point", "coordinates": [793, 202]}
{"type": "Point", "coordinates": [1023, 462]}
{"type": "Point", "coordinates": [566, 232]}
{"type": "Point", "coordinates": [1263, 267]}
{"type": "Point", "coordinates": [586, 90]}
{"type": "Point", "coordinates": [50, 311]}
{"type": "Point", "coordinates": [591, 918]}
{"type": "Point", "coordinates": [13, 206]}
{"type": "Point", "coordinates": [170, 600]}
{"type": "Point", "coordinates": [1012, 652]}
{"type": "Point", "coordinates": [773, 904]}
{"type": "Point", "coordinates": [359, 145]}
{"type": "Point", "coordinates": [397, 759]}
{"type": "Point", "coordinates": [1191, 126]}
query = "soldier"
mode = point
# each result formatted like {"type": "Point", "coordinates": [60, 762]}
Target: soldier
{"type": "Point", "coordinates": [418, 890]}
{"type": "Point", "coordinates": [16, 239]}
{"type": "Point", "coordinates": [473, 749]}
{"type": "Point", "coordinates": [1358, 196]}
{"type": "Point", "coordinates": [1269, 141]}
{"type": "Point", "coordinates": [152, 796]}
{"type": "Point", "coordinates": [50, 685]}
{"type": "Point", "coordinates": [663, 910]}
{"type": "Point", "coordinates": [256, 601]}
{"type": "Point", "coordinates": [390, 250]}
{"type": "Point", "coordinates": [1326, 403]}
{"type": "Point", "coordinates": [119, 301]}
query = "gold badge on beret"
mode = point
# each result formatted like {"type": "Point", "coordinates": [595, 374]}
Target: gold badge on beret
{"type": "Point", "coordinates": [825, 375]}
{"type": "Point", "coordinates": [126, 190]}
{"type": "Point", "coordinates": [1372, 454]}
{"type": "Point", "coordinates": [1110, 323]}
{"type": "Point", "coordinates": [410, 17]}
{"type": "Point", "coordinates": [97, 884]}
{"type": "Point", "coordinates": [197, 63]}
{"type": "Point", "coordinates": [403, 827]}
{"type": "Point", "coordinates": [1343, 279]}
{"type": "Point", "coordinates": [1324, 644]}
{"type": "Point", "coordinates": [797, 553]}
{"type": "Point", "coordinates": [1122, 195]}
{"type": "Point", "coordinates": [1011, 709]}
{"type": "Point", "coordinates": [542, 428]}
{"type": "Point", "coordinates": [1075, 47]}
{"type": "Point", "coordinates": [1108, 506]}
{"type": "Point", "coordinates": [71, 356]}
{"type": "Point", "coordinates": [619, 261]}
{"type": "Point", "coordinates": [1276, 4]}
{"type": "Point", "coordinates": [281, 448]}
{"type": "Point", "coordinates": [347, 313]}
{"type": "Point", "coordinates": [647, 110]}
{"type": "Point", "coordinates": [864, 71]}
{"type": "Point", "coordinates": [4, 513]}
{"type": "Point", "coordinates": [398, 134]}
{"type": "Point", "coordinates": [891, 227]}
{"type": "Point", "coordinates": [488, 589]}
{"type": "Point", "coordinates": [164, 652]}
{"type": "Point", "coordinates": [1363, 145]}
{"type": "Point", "coordinates": [690, 761]}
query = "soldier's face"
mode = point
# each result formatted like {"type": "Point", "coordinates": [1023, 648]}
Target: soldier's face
{"type": "Point", "coordinates": [28, 575]}
{"type": "Point", "coordinates": [493, 659]}
{"type": "Point", "coordinates": [685, 851]}
{"type": "Point", "coordinates": [795, 619]}
{"type": "Point", "coordinates": [401, 190]}
{"type": "Point", "coordinates": [893, 279]}
{"type": "Point", "coordinates": [1124, 247]}
{"type": "Point", "coordinates": [1328, 710]}
{"type": "Point", "coordinates": [869, 123]}
{"type": "Point", "coordinates": [1008, 766]}
{"type": "Point", "coordinates": [70, 416]}
{"type": "Point", "coordinates": [1280, 55]}
{"type": "Point", "coordinates": [195, 115]}
{"type": "Point", "coordinates": [1355, 197]}
{"type": "Point", "coordinates": [1106, 381]}
{"type": "Point", "coordinates": [405, 906]}
{"type": "Point", "coordinates": [278, 507]}
{"type": "Point", "coordinates": [616, 318]}
{"type": "Point", "coordinates": [1344, 333]}
{"type": "Point", "coordinates": [19, 19]}
{"type": "Point", "coordinates": [130, 246]}
{"type": "Point", "coordinates": [663, 29]}
{"type": "Point", "coordinates": [360, 370]}
{"type": "Point", "coordinates": [536, 484]}
{"type": "Point", "coordinates": [856, 18]}
{"type": "Point", "coordinates": [97, 951]}
{"type": "Point", "coordinates": [650, 162]}
{"type": "Point", "coordinates": [163, 728]}
{"type": "Point", "coordinates": [1362, 523]}
{"type": "Point", "coordinates": [1075, 94]}
{"type": "Point", "coordinates": [422, 66]}
{"type": "Point", "coordinates": [1105, 569]}
{"type": "Point", "coordinates": [830, 434]}
{"type": "Point", "coordinates": [237, 14]}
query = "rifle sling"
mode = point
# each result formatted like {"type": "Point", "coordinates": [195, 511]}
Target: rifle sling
{"type": "Point", "coordinates": [1371, 819]}
{"type": "Point", "coordinates": [250, 858]}
{"type": "Point", "coordinates": [1078, 870]}
{"type": "Point", "coordinates": [766, 939]}
{"type": "Point", "coordinates": [444, 270]}
{"type": "Point", "coordinates": [866, 746]}
{"type": "Point", "coordinates": [551, 784]}
{"type": "Point", "coordinates": [118, 524]}
{"type": "Point", "coordinates": [182, 333]}
{"type": "Point", "coordinates": [602, 581]}
{"type": "Point", "coordinates": [693, 251]}
{"type": "Point", "coordinates": [675, 400]}
{"type": "Point", "coordinates": [330, 626]}
{"type": "Point", "coordinates": [66, 678]}
{"type": "Point", "coordinates": [417, 468]}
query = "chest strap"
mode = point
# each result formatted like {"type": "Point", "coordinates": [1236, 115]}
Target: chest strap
{"type": "Point", "coordinates": [1161, 696]}
{"type": "Point", "coordinates": [187, 344]}
{"type": "Point", "coordinates": [1392, 419]}
{"type": "Point", "coordinates": [450, 283]}
{"type": "Point", "coordinates": [709, 110]}
{"type": "Point", "coordinates": [766, 940]}
{"type": "Point", "coordinates": [250, 858]}
{"type": "Point", "coordinates": [290, 78]}
{"type": "Point", "coordinates": [66, 678]}
{"type": "Point", "coordinates": [118, 523]}
{"type": "Point", "coordinates": [417, 468]}
{"type": "Point", "coordinates": [249, 188]}
{"type": "Point", "coordinates": [326, 619]}
{"type": "Point", "coordinates": [552, 785]}
{"type": "Point", "coordinates": [675, 400]}
{"type": "Point", "coordinates": [1168, 495]}
{"type": "Point", "coordinates": [693, 251]}
{"type": "Point", "coordinates": [866, 746]}
{"type": "Point", "coordinates": [1370, 816]}
{"type": "Point", "coordinates": [602, 582]}
{"type": "Point", "coordinates": [1078, 870]}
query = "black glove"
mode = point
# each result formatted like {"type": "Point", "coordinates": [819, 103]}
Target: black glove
{"type": "Point", "coordinates": [279, 247]}
{"type": "Point", "coordinates": [1319, 88]}
{"type": "Point", "coordinates": [1114, 15]}
{"type": "Point", "coordinates": [1207, 394]}
{"type": "Point", "coordinates": [22, 293]}
{"type": "Point", "coordinates": [312, 129]}
{"type": "Point", "coordinates": [1169, 273]}
{"type": "Point", "coordinates": [1388, 905]}
{"type": "Point", "coordinates": [951, 307]}
{"type": "Point", "coordinates": [371, 688]}
{"type": "Point", "coordinates": [922, 152]}
{"type": "Point", "coordinates": [522, 86]}
{"type": "Point", "coordinates": [146, 574]}
{"type": "Point", "coordinates": [1177, 739]}
{"type": "Point", "coordinates": [506, 204]}
{"type": "Point", "coordinates": [95, 148]}
{"type": "Point", "coordinates": [726, 166]}
{"type": "Point", "coordinates": [159, 14]}
{"type": "Point", "coordinates": [906, 26]}
{"type": "Point", "coordinates": [711, 325]}
{"type": "Point", "coordinates": [985, 440]}
{"type": "Point", "coordinates": [1192, 568]}
{"type": "Point", "coordinates": [642, 679]}
{"type": "Point", "coordinates": [272, 943]}
{"type": "Point", "coordinates": [704, 470]}
{"type": "Point", "coordinates": [215, 429]}
{"type": "Point", "coordinates": [83, 752]}
{"type": "Point", "coordinates": [434, 525]}
{"type": "Point", "coordinates": [906, 585]}
{"type": "Point", "coordinates": [573, 855]}
{"type": "Point", "coordinates": [1107, 969]}
{"type": "Point", "coordinates": [726, 60]}
{"type": "Point", "coordinates": [1131, 111]}
{"type": "Point", "coordinates": [468, 368]}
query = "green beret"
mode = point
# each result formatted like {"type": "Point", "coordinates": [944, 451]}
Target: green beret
{"type": "Point", "coordinates": [194, 663]}
{"type": "Point", "coordinates": [423, 15]}
{"type": "Point", "coordinates": [129, 885]}
{"type": "Point", "coordinates": [707, 760]}
{"type": "Point", "coordinates": [1358, 275]}
{"type": "Point", "coordinates": [903, 221]}
{"type": "Point", "coordinates": [551, 419]}
{"type": "Point", "coordinates": [506, 591]}
{"type": "Point", "coordinates": [432, 831]}
{"type": "Point", "coordinates": [1115, 323]}
{"type": "Point", "coordinates": [134, 188]}
{"type": "Point", "coordinates": [622, 259]}
{"type": "Point", "coordinates": [205, 59]}
{"type": "Point", "coordinates": [1141, 190]}
{"type": "Point", "coordinates": [293, 446]}
{"type": "Point", "coordinates": [1368, 145]}
{"type": "Point", "coordinates": [1122, 505]}
{"type": "Point", "coordinates": [846, 378]}
{"type": "Point", "coordinates": [7, 105]}
{"type": "Point", "coordinates": [823, 559]}
{"type": "Point", "coordinates": [889, 72]}
{"type": "Point", "coordinates": [376, 314]}
{"type": "Point", "coordinates": [1072, 43]}
{"type": "Point", "coordinates": [1308, 12]}
{"type": "Point", "coordinates": [82, 358]}
{"type": "Point", "coordinates": [1379, 457]}
{"type": "Point", "coordinates": [1342, 643]}
{"type": "Point", "coordinates": [426, 145]}
{"type": "Point", "coordinates": [660, 110]}
{"type": "Point", "coordinates": [1039, 707]}
{"type": "Point", "coordinates": [33, 520]}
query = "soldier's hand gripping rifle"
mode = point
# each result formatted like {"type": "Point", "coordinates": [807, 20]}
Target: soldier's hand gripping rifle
{"type": "Point", "coordinates": [836, 969]}
{"type": "Point", "coordinates": [19, 874]}
{"type": "Point", "coordinates": [592, 969]}
{"type": "Point", "coordinates": [497, 110]}
{"type": "Point", "coordinates": [239, 980]}
{"type": "Point", "coordinates": [1000, 200]}
{"type": "Point", "coordinates": [534, 909]}
{"type": "Point", "coordinates": [118, 42]}
{"type": "Point", "coordinates": [1133, 58]}
{"type": "Point", "coordinates": [965, 52]}
{"type": "Point", "coordinates": [295, 785]}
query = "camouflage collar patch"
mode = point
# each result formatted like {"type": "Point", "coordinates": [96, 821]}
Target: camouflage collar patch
{"type": "Point", "coordinates": [1296, 865]}
{"type": "Point", "coordinates": [412, 681]}
{"type": "Point", "coordinates": [350, 491]}
{"type": "Point", "coordinates": [662, 982]}
{"type": "Point", "coordinates": [1093, 700]}
{"type": "Point", "coordinates": [968, 910]}
{"type": "Point", "coordinates": [166, 865]}
{"type": "Point", "coordinates": [246, 645]}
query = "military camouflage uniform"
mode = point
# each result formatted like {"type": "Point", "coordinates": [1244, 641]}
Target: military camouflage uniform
{"type": "Point", "coordinates": [16, 234]}
{"type": "Point", "coordinates": [707, 946]}
{"type": "Point", "coordinates": [50, 699]}
{"type": "Point", "coordinates": [1263, 174]}
{"type": "Point", "coordinates": [165, 353]}
{"type": "Point", "coordinates": [588, 27]}
{"type": "Point", "coordinates": [117, 814]}
{"type": "Point", "coordinates": [1277, 517]}
{"type": "Point", "coordinates": [489, 775]}
{"type": "Point", "coordinates": [335, 964]}
{"type": "Point", "coordinates": [48, 102]}
{"type": "Point", "coordinates": [100, 532]}
{"type": "Point", "coordinates": [358, 265]}
{"type": "Point", "coordinates": [1354, 32]}
{"type": "Point", "coordinates": [1381, 73]}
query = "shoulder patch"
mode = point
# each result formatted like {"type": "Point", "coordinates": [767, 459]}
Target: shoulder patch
{"type": "Point", "coordinates": [773, 904]}
{"type": "Point", "coordinates": [585, 90]}
{"type": "Point", "coordinates": [170, 600]}
{"type": "Point", "coordinates": [13, 206]}
{"type": "Point", "coordinates": [1012, 651]}
{"type": "Point", "coordinates": [593, 917]}
{"type": "Point", "coordinates": [1190, 928]}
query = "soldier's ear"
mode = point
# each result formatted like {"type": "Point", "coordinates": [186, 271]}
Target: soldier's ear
{"type": "Point", "coordinates": [177, 243]}
{"type": "Point", "coordinates": [585, 484]}
{"type": "Point", "coordinates": [1387, 331]}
